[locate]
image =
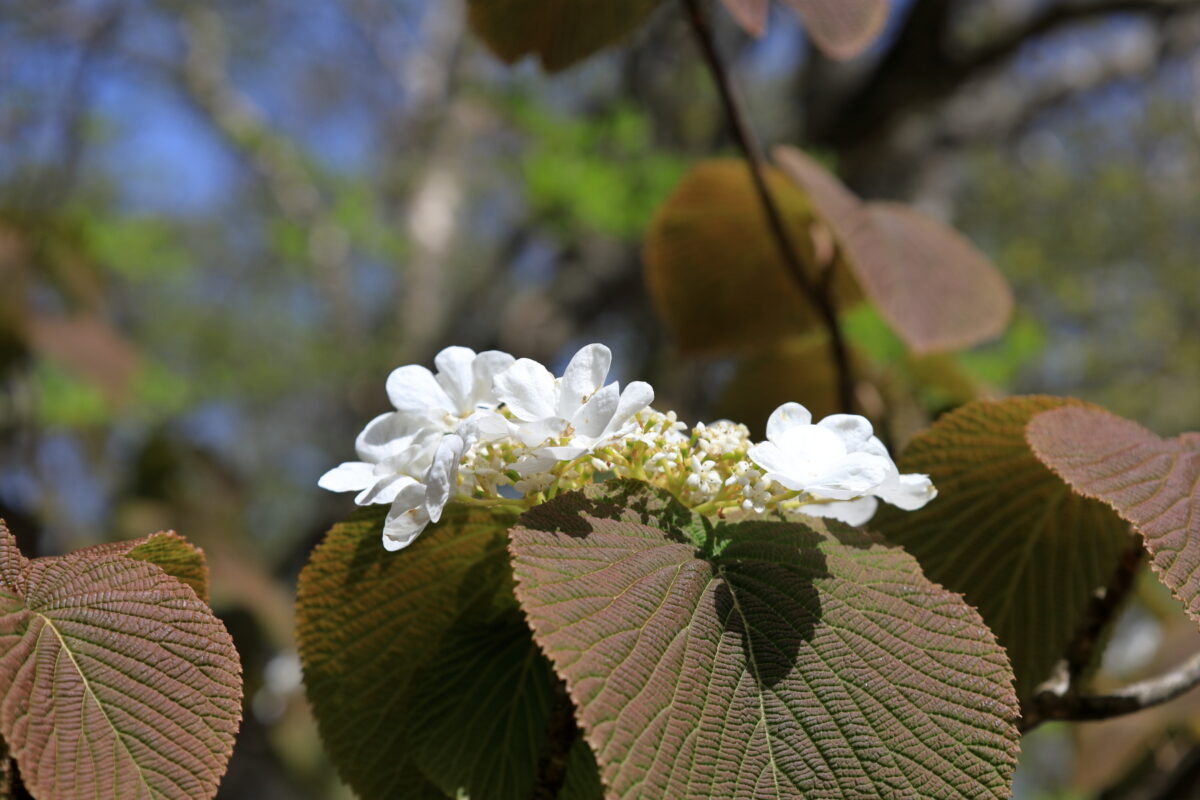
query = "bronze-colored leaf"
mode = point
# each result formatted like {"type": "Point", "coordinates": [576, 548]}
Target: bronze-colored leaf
{"type": "Point", "coordinates": [787, 661]}
{"type": "Point", "coordinates": [842, 28]}
{"type": "Point", "coordinates": [115, 679]}
{"type": "Point", "coordinates": [1153, 483]}
{"type": "Point", "coordinates": [935, 289]}
{"type": "Point", "coordinates": [559, 32]}
{"type": "Point", "coordinates": [174, 554]}
{"type": "Point", "coordinates": [714, 270]}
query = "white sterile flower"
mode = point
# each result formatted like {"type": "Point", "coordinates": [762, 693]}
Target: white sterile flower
{"type": "Point", "coordinates": [418, 482]}
{"type": "Point", "coordinates": [462, 386]}
{"type": "Point", "coordinates": [577, 409]}
{"type": "Point", "coordinates": [395, 453]}
{"type": "Point", "coordinates": [837, 459]}
{"type": "Point", "coordinates": [420, 503]}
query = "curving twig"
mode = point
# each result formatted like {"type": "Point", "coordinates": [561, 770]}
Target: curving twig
{"type": "Point", "coordinates": [739, 122]}
{"type": "Point", "coordinates": [1051, 705]}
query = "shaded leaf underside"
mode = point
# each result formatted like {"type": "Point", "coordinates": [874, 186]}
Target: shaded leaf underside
{"type": "Point", "coordinates": [796, 663]}
{"type": "Point", "coordinates": [1151, 482]}
{"type": "Point", "coordinates": [1005, 531]}
{"type": "Point", "coordinates": [116, 680]}
{"type": "Point", "coordinates": [420, 669]}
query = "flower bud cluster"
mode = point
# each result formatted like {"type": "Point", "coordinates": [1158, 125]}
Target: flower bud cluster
{"type": "Point", "coordinates": [489, 428]}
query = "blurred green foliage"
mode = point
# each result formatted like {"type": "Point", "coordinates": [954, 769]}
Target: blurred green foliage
{"type": "Point", "coordinates": [601, 172]}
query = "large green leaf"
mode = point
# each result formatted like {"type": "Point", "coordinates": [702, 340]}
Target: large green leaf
{"type": "Point", "coordinates": [1153, 483]}
{"type": "Point", "coordinates": [1008, 533]}
{"type": "Point", "coordinates": [115, 679]}
{"type": "Point", "coordinates": [420, 669]}
{"type": "Point", "coordinates": [482, 706]}
{"type": "Point", "coordinates": [559, 32]}
{"type": "Point", "coordinates": [788, 662]}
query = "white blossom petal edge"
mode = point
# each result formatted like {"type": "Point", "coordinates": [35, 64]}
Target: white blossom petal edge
{"type": "Point", "coordinates": [564, 418]}
{"type": "Point", "coordinates": [838, 459]}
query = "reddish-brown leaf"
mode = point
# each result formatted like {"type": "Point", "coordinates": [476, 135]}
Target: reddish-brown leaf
{"type": "Point", "coordinates": [115, 679]}
{"type": "Point", "coordinates": [750, 14]}
{"type": "Point", "coordinates": [1153, 483]}
{"type": "Point", "coordinates": [935, 289]}
{"type": "Point", "coordinates": [842, 28]}
{"type": "Point", "coordinates": [174, 554]}
{"type": "Point", "coordinates": [794, 661]}
{"type": "Point", "coordinates": [1018, 542]}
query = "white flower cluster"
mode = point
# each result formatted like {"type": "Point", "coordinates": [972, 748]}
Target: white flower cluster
{"type": "Point", "coordinates": [487, 420]}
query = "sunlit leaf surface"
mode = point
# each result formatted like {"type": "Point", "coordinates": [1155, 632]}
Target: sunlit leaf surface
{"type": "Point", "coordinates": [115, 679]}
{"type": "Point", "coordinates": [793, 662]}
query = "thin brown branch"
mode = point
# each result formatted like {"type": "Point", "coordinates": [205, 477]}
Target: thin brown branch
{"type": "Point", "coordinates": [1136, 697]}
{"type": "Point", "coordinates": [739, 123]}
{"type": "Point", "coordinates": [1103, 610]}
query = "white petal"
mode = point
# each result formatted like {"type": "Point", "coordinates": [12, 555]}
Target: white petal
{"type": "Point", "coordinates": [785, 418]}
{"type": "Point", "coordinates": [597, 412]}
{"type": "Point", "coordinates": [535, 433]}
{"type": "Point", "coordinates": [851, 512]}
{"type": "Point", "coordinates": [856, 474]}
{"type": "Point", "coordinates": [637, 396]}
{"type": "Point", "coordinates": [387, 435]}
{"type": "Point", "coordinates": [528, 389]}
{"type": "Point", "coordinates": [486, 367]}
{"type": "Point", "coordinates": [456, 376]}
{"type": "Point", "coordinates": [876, 448]}
{"type": "Point", "coordinates": [441, 480]}
{"type": "Point", "coordinates": [583, 376]}
{"type": "Point", "coordinates": [406, 518]}
{"type": "Point", "coordinates": [385, 489]}
{"type": "Point", "coordinates": [854, 431]}
{"type": "Point", "coordinates": [775, 464]}
{"type": "Point", "coordinates": [352, 476]}
{"type": "Point", "coordinates": [413, 390]}
{"type": "Point", "coordinates": [813, 449]}
{"type": "Point", "coordinates": [490, 426]}
{"type": "Point", "coordinates": [908, 492]}
{"type": "Point", "coordinates": [565, 452]}
{"type": "Point", "coordinates": [536, 461]}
